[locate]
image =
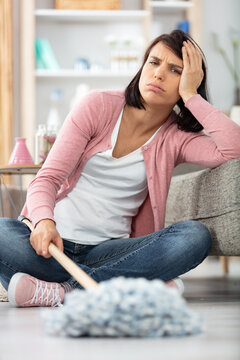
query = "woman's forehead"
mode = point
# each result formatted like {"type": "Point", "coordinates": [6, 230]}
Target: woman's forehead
{"type": "Point", "coordinates": [161, 50]}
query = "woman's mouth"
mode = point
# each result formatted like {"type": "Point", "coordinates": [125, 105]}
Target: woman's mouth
{"type": "Point", "coordinates": [155, 88]}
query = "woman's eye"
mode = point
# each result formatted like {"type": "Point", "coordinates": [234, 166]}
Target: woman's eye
{"type": "Point", "coordinates": [176, 71]}
{"type": "Point", "coordinates": [153, 63]}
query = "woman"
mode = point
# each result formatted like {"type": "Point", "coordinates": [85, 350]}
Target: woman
{"type": "Point", "coordinates": [101, 194]}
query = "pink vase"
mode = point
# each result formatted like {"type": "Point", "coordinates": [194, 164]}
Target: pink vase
{"type": "Point", "coordinates": [20, 154]}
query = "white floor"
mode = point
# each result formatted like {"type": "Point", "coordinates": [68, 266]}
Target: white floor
{"type": "Point", "coordinates": [215, 297]}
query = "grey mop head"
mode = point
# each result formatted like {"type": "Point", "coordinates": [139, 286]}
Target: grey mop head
{"type": "Point", "coordinates": [123, 307]}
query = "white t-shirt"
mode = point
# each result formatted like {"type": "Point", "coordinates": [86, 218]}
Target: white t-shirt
{"type": "Point", "coordinates": [107, 195]}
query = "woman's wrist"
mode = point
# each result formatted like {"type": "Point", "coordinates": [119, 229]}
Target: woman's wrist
{"type": "Point", "coordinates": [45, 222]}
{"type": "Point", "coordinates": [187, 96]}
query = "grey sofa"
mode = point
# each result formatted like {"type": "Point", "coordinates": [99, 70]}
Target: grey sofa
{"type": "Point", "coordinates": [211, 196]}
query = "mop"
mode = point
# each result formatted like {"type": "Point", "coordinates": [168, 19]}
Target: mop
{"type": "Point", "coordinates": [119, 307]}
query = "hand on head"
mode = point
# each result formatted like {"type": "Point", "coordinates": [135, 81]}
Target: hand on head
{"type": "Point", "coordinates": [192, 74]}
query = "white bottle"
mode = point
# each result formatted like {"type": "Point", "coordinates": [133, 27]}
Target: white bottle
{"type": "Point", "coordinates": [53, 119]}
{"type": "Point", "coordinates": [81, 91]}
{"type": "Point", "coordinates": [41, 146]}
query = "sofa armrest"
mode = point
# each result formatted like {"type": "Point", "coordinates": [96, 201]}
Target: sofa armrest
{"type": "Point", "coordinates": [211, 196]}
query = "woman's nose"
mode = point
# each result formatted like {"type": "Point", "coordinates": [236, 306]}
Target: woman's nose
{"type": "Point", "coordinates": [160, 72]}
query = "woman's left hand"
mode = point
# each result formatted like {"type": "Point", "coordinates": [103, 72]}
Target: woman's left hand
{"type": "Point", "coordinates": [192, 74]}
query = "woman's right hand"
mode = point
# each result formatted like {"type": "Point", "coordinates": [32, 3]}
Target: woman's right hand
{"type": "Point", "coordinates": [44, 233]}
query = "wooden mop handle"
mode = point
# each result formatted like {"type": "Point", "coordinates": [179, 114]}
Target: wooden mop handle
{"type": "Point", "coordinates": [84, 279]}
{"type": "Point", "coordinates": [77, 273]}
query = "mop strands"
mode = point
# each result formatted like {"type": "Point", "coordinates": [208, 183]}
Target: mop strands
{"type": "Point", "coordinates": [119, 307]}
{"type": "Point", "coordinates": [123, 307]}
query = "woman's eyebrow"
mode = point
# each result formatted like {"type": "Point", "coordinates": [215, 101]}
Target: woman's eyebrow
{"type": "Point", "coordinates": [175, 65]}
{"type": "Point", "coordinates": [154, 57]}
{"type": "Point", "coordinates": [171, 64]}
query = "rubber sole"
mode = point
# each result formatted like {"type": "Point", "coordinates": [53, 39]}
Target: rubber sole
{"type": "Point", "coordinates": [180, 285]}
{"type": "Point", "coordinates": [12, 288]}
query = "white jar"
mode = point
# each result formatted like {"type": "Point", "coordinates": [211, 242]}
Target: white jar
{"type": "Point", "coordinates": [41, 145]}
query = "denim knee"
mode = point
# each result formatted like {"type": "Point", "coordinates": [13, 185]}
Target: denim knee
{"type": "Point", "coordinates": [5, 226]}
{"type": "Point", "coordinates": [200, 235]}
{"type": "Point", "coordinates": [8, 224]}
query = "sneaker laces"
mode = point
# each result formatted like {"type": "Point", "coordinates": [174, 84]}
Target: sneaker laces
{"type": "Point", "coordinates": [45, 295]}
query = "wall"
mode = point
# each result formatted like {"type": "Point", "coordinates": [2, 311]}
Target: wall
{"type": "Point", "coordinates": [16, 69]}
{"type": "Point", "coordinates": [220, 16]}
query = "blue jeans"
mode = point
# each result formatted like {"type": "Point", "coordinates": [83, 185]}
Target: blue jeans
{"type": "Point", "coordinates": [164, 254]}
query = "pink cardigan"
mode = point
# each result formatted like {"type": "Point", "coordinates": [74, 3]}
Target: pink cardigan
{"type": "Point", "coordinates": [87, 130]}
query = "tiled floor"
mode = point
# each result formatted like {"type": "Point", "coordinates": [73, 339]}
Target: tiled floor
{"type": "Point", "coordinates": [215, 297]}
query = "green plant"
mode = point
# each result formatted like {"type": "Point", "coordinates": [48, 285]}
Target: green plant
{"type": "Point", "coordinates": [233, 67]}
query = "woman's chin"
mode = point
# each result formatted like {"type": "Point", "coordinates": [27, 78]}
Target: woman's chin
{"type": "Point", "coordinates": [154, 100]}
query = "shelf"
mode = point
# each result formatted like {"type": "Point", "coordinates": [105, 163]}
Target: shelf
{"type": "Point", "coordinates": [19, 169]}
{"type": "Point", "coordinates": [69, 73]}
{"type": "Point", "coordinates": [171, 4]}
{"type": "Point", "coordinates": [91, 15]}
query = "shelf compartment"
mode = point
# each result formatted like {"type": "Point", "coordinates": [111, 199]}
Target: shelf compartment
{"type": "Point", "coordinates": [91, 15]}
{"type": "Point", "coordinates": [174, 5]}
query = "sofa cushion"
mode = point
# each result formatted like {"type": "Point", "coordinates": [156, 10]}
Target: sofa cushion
{"type": "Point", "coordinates": [211, 196]}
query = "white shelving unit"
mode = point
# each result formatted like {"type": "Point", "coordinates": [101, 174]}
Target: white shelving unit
{"type": "Point", "coordinates": [101, 16]}
{"type": "Point", "coordinates": [85, 17]}
{"type": "Point", "coordinates": [86, 29]}
{"type": "Point", "coordinates": [90, 26]}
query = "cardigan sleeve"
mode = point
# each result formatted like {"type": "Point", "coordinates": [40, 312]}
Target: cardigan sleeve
{"type": "Point", "coordinates": [78, 128]}
{"type": "Point", "coordinates": [219, 142]}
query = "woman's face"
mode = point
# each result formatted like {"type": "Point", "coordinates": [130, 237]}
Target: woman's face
{"type": "Point", "coordinates": [160, 77]}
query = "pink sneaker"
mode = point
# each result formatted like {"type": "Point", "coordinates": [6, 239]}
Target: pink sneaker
{"type": "Point", "coordinates": [176, 283]}
{"type": "Point", "coordinates": [25, 290]}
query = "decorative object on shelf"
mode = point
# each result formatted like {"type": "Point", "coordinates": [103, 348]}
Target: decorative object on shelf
{"type": "Point", "coordinates": [184, 26]}
{"type": "Point", "coordinates": [53, 120]}
{"type": "Point", "coordinates": [46, 134]}
{"type": "Point", "coordinates": [234, 69]}
{"type": "Point", "coordinates": [81, 64]}
{"type": "Point", "coordinates": [50, 139]}
{"type": "Point", "coordinates": [124, 51]}
{"type": "Point", "coordinates": [20, 154]}
{"type": "Point", "coordinates": [81, 91]}
{"type": "Point", "coordinates": [45, 57]}
{"type": "Point", "coordinates": [88, 4]}
{"type": "Point", "coordinates": [41, 144]}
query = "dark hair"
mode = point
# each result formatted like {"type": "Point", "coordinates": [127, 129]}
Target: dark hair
{"type": "Point", "coordinates": [174, 41]}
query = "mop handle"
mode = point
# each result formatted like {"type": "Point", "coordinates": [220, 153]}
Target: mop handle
{"type": "Point", "coordinates": [77, 273]}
